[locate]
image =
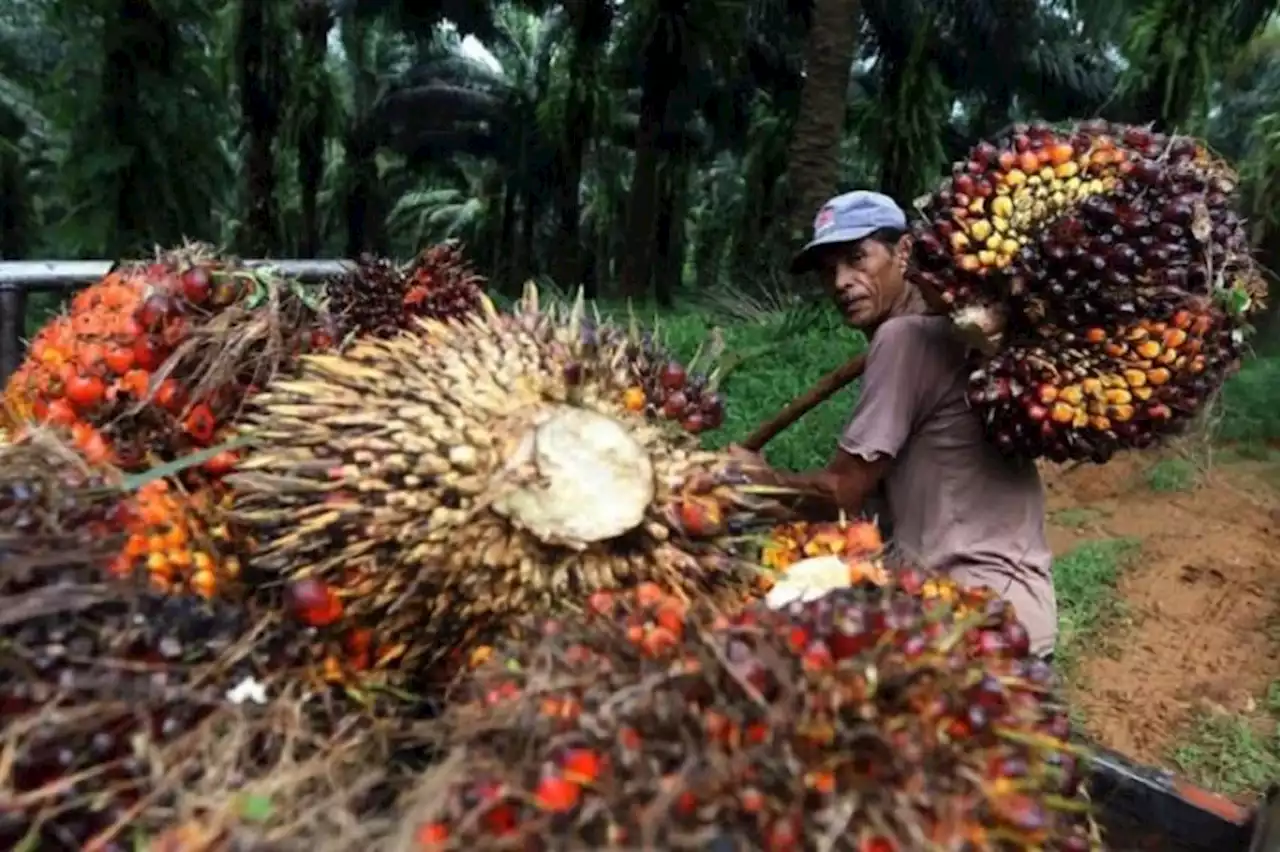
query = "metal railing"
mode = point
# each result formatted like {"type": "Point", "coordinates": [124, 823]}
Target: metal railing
{"type": "Point", "coordinates": [21, 277]}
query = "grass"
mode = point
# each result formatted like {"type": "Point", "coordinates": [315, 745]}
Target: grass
{"type": "Point", "coordinates": [1174, 474]}
{"type": "Point", "coordinates": [1077, 518]}
{"type": "Point", "coordinates": [1234, 753]}
{"type": "Point", "coordinates": [1084, 581]}
{"type": "Point", "coordinates": [773, 361]}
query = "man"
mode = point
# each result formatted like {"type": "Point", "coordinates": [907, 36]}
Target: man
{"type": "Point", "coordinates": [955, 504]}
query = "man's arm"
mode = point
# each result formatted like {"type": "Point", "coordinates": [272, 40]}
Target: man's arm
{"type": "Point", "coordinates": [882, 422]}
{"type": "Point", "coordinates": [846, 482]}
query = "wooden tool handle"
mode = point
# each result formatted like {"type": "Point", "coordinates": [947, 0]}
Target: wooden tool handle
{"type": "Point", "coordinates": [823, 389]}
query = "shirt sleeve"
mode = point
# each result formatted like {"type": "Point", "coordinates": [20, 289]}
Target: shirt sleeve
{"type": "Point", "coordinates": [891, 397]}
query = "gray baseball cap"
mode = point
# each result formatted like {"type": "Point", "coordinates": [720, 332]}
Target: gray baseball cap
{"type": "Point", "coordinates": [846, 219]}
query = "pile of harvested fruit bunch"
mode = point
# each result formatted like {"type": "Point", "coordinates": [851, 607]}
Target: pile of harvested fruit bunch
{"type": "Point", "coordinates": [1106, 271]}
{"type": "Point", "coordinates": [431, 487]}
{"type": "Point", "coordinates": [115, 699]}
{"type": "Point", "coordinates": [871, 719]}
{"type": "Point", "coordinates": [379, 298]}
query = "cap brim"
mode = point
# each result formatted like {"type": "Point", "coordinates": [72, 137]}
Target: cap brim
{"type": "Point", "coordinates": [806, 260]}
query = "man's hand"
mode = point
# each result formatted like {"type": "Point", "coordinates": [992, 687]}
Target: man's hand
{"type": "Point", "coordinates": [743, 454]}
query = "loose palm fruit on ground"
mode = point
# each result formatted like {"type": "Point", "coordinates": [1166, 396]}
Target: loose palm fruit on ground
{"type": "Point", "coordinates": [381, 299]}
{"type": "Point", "coordinates": [1084, 395]}
{"type": "Point", "coordinates": [875, 710]}
{"type": "Point", "coordinates": [1081, 224]}
{"type": "Point", "coordinates": [443, 482]}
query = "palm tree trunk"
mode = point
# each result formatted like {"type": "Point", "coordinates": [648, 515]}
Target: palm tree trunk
{"type": "Point", "coordinates": [15, 213]}
{"type": "Point", "coordinates": [566, 266]}
{"type": "Point", "coordinates": [660, 80]}
{"type": "Point", "coordinates": [815, 143]}
{"type": "Point", "coordinates": [259, 49]}
{"type": "Point", "coordinates": [135, 26]}
{"type": "Point", "coordinates": [314, 22]}
{"type": "Point", "coordinates": [591, 21]}
{"type": "Point", "coordinates": [366, 226]}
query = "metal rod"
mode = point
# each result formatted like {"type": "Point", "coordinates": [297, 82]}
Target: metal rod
{"type": "Point", "coordinates": [33, 275]}
{"type": "Point", "coordinates": [20, 277]}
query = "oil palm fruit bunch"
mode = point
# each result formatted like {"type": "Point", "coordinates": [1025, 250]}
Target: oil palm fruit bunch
{"type": "Point", "coordinates": [151, 364]}
{"type": "Point", "coordinates": [1106, 271]}
{"type": "Point", "coordinates": [53, 502]}
{"type": "Point", "coordinates": [380, 298]}
{"type": "Point", "coordinates": [368, 299]}
{"type": "Point", "coordinates": [442, 284]}
{"type": "Point", "coordinates": [119, 707]}
{"type": "Point", "coordinates": [434, 485]}
{"type": "Point", "coordinates": [1080, 223]}
{"type": "Point", "coordinates": [152, 361]}
{"type": "Point", "coordinates": [873, 718]}
{"type": "Point", "coordinates": [661, 386]}
{"type": "Point", "coordinates": [1084, 395]}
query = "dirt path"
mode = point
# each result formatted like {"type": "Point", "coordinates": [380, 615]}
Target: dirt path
{"type": "Point", "coordinates": [1201, 628]}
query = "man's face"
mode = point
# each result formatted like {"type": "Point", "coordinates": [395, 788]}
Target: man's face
{"type": "Point", "coordinates": [866, 279]}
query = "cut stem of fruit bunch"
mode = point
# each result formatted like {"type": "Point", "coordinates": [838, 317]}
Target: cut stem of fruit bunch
{"type": "Point", "coordinates": [431, 487]}
{"type": "Point", "coordinates": [1104, 270]}
{"type": "Point", "coordinates": [873, 719]}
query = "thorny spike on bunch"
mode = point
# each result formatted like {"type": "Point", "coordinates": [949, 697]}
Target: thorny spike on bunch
{"type": "Point", "coordinates": [448, 480]}
{"type": "Point", "coordinates": [1081, 258]}
{"type": "Point", "coordinates": [898, 718]}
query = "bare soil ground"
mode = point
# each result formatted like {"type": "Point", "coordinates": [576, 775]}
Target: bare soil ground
{"type": "Point", "coordinates": [1199, 627]}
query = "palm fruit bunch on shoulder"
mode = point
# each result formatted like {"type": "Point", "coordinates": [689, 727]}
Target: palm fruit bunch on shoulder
{"type": "Point", "coordinates": [380, 298]}
{"type": "Point", "coordinates": [872, 718]}
{"type": "Point", "coordinates": [1105, 271]}
{"type": "Point", "coordinates": [433, 486]}
{"type": "Point", "coordinates": [151, 364]}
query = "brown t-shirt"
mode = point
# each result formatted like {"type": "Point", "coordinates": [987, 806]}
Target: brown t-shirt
{"type": "Point", "coordinates": [955, 503]}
